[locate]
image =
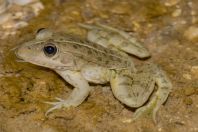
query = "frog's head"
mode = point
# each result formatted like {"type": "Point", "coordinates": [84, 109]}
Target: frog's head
{"type": "Point", "coordinates": [44, 51]}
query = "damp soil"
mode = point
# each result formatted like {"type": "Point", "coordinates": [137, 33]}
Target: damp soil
{"type": "Point", "coordinates": [168, 28]}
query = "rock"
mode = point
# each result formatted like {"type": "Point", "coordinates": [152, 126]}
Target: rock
{"type": "Point", "coordinates": [194, 71]}
{"type": "Point", "coordinates": [189, 91]}
{"type": "Point", "coordinates": [171, 2]}
{"type": "Point", "coordinates": [21, 2]}
{"type": "Point", "coordinates": [3, 5]}
{"type": "Point", "coordinates": [177, 13]}
{"type": "Point", "coordinates": [192, 33]}
{"type": "Point", "coordinates": [187, 76]}
{"type": "Point", "coordinates": [188, 101]}
{"type": "Point", "coordinates": [121, 9]}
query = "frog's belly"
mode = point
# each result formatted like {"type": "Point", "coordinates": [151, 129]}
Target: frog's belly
{"type": "Point", "coordinates": [96, 74]}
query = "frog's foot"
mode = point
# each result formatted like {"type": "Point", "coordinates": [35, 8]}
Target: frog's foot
{"type": "Point", "coordinates": [60, 103]}
{"type": "Point", "coordinates": [148, 110]}
{"type": "Point", "coordinates": [78, 95]}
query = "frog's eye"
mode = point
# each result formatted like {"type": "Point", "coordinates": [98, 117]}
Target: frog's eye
{"type": "Point", "coordinates": [50, 50]}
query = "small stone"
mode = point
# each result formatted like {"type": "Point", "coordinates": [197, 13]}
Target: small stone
{"type": "Point", "coordinates": [121, 9]}
{"type": "Point", "coordinates": [22, 2]}
{"type": "Point", "coordinates": [191, 33]}
{"type": "Point", "coordinates": [177, 13]}
{"type": "Point", "coordinates": [127, 120]}
{"type": "Point", "coordinates": [4, 18]}
{"type": "Point", "coordinates": [187, 76]}
{"type": "Point", "coordinates": [189, 91]}
{"type": "Point", "coordinates": [171, 2]}
{"type": "Point", "coordinates": [194, 71]}
{"type": "Point", "coordinates": [3, 5]}
{"type": "Point", "coordinates": [188, 101]}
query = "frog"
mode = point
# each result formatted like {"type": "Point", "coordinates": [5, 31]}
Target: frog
{"type": "Point", "coordinates": [101, 58]}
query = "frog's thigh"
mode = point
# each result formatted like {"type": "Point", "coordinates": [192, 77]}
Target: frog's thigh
{"type": "Point", "coordinates": [164, 88]}
{"type": "Point", "coordinates": [160, 96]}
{"type": "Point", "coordinates": [133, 90]}
{"type": "Point", "coordinates": [96, 74]}
{"type": "Point", "coordinates": [96, 35]}
{"type": "Point", "coordinates": [81, 87]}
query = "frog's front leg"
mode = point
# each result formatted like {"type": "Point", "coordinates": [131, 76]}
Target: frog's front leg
{"type": "Point", "coordinates": [80, 92]}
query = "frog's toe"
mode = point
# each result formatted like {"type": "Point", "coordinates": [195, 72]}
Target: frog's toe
{"type": "Point", "coordinates": [59, 99]}
{"type": "Point", "coordinates": [145, 111]}
{"type": "Point", "coordinates": [57, 105]}
{"type": "Point", "coordinates": [53, 108]}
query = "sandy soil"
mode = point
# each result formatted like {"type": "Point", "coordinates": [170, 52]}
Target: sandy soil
{"type": "Point", "coordinates": [169, 28]}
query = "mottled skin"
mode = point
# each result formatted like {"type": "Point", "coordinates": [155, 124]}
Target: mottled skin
{"type": "Point", "coordinates": [100, 60]}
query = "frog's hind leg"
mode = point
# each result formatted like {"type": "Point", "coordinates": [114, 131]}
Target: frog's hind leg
{"type": "Point", "coordinates": [128, 43]}
{"type": "Point", "coordinates": [132, 90]}
{"type": "Point", "coordinates": [164, 87]}
{"type": "Point", "coordinates": [110, 37]}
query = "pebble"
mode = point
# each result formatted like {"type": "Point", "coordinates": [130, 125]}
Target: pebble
{"type": "Point", "coordinates": [191, 33]}
{"type": "Point", "coordinates": [3, 5]}
{"type": "Point", "coordinates": [188, 101]}
{"type": "Point", "coordinates": [189, 91]}
{"type": "Point", "coordinates": [18, 15]}
{"type": "Point", "coordinates": [194, 71]}
{"type": "Point", "coordinates": [187, 76]}
{"type": "Point", "coordinates": [21, 2]}
{"type": "Point", "coordinates": [177, 13]}
{"type": "Point", "coordinates": [171, 2]}
{"type": "Point", "coordinates": [121, 9]}
{"type": "Point", "coordinates": [5, 17]}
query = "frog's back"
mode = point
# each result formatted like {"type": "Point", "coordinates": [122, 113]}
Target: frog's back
{"type": "Point", "coordinates": [91, 52]}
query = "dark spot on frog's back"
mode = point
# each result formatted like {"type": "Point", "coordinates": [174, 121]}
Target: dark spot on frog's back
{"type": "Point", "coordinates": [75, 46]}
{"type": "Point", "coordinates": [126, 63]}
{"type": "Point", "coordinates": [61, 39]}
{"type": "Point", "coordinates": [95, 46]}
{"type": "Point", "coordinates": [99, 58]}
{"type": "Point", "coordinates": [89, 52]}
{"type": "Point", "coordinates": [50, 40]}
{"type": "Point", "coordinates": [119, 60]}
{"type": "Point", "coordinates": [106, 62]}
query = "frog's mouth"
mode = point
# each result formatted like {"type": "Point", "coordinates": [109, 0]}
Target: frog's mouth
{"type": "Point", "coordinates": [18, 59]}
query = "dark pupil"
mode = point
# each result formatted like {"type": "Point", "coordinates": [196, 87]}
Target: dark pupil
{"type": "Point", "coordinates": [50, 50]}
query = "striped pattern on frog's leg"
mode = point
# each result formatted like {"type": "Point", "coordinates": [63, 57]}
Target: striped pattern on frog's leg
{"type": "Point", "coordinates": [132, 90]}
{"type": "Point", "coordinates": [111, 37]}
{"type": "Point", "coordinates": [135, 90]}
{"type": "Point", "coordinates": [164, 87]}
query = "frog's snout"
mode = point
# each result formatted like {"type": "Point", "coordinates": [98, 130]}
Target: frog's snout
{"type": "Point", "coordinates": [21, 52]}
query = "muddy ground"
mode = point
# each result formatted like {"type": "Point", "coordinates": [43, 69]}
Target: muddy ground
{"type": "Point", "coordinates": [169, 28]}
